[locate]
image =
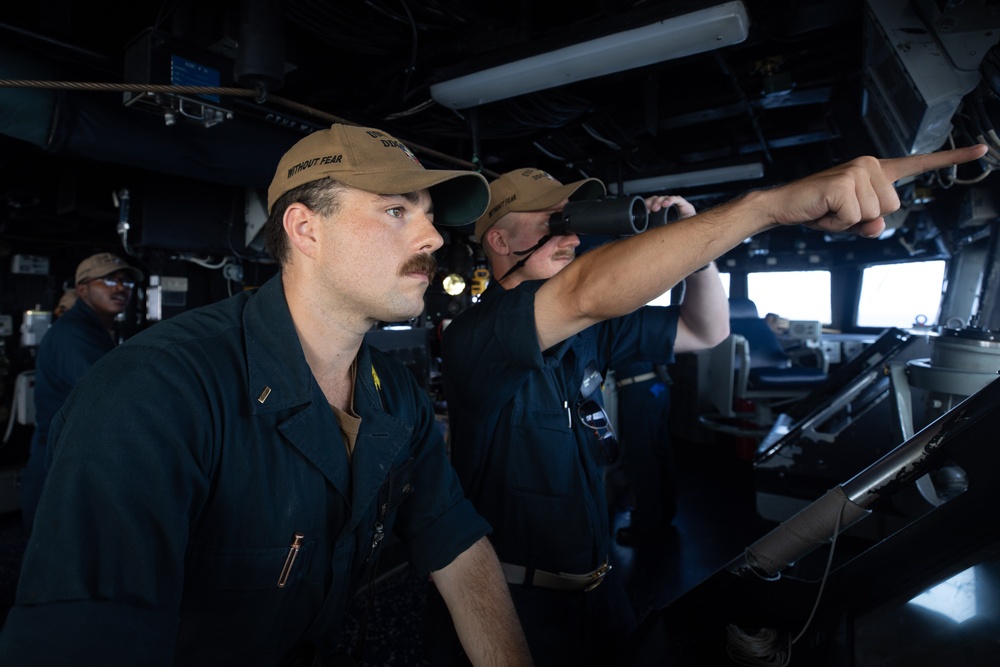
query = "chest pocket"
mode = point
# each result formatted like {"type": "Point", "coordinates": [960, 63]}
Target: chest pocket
{"type": "Point", "coordinates": [243, 569]}
{"type": "Point", "coordinates": [543, 456]}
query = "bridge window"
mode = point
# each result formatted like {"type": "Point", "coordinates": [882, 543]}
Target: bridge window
{"type": "Point", "coordinates": [664, 299]}
{"type": "Point", "coordinates": [793, 295]}
{"type": "Point", "coordinates": [896, 295]}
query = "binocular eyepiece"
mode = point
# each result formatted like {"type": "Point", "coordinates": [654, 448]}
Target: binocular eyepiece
{"type": "Point", "coordinates": [622, 216]}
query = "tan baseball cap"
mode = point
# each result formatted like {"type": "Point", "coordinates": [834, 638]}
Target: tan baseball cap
{"type": "Point", "coordinates": [531, 190]}
{"type": "Point", "coordinates": [67, 300]}
{"type": "Point", "coordinates": [371, 160]}
{"type": "Point", "coordinates": [103, 264]}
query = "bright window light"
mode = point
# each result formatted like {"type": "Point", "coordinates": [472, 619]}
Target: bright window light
{"type": "Point", "coordinates": [954, 598]}
{"type": "Point", "coordinates": [896, 295]}
{"type": "Point", "coordinates": [793, 295]}
{"type": "Point", "coordinates": [664, 299]}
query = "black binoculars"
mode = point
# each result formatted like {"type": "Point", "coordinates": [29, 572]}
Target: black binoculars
{"type": "Point", "coordinates": [618, 216]}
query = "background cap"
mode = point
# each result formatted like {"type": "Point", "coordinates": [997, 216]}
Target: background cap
{"type": "Point", "coordinates": [531, 190]}
{"type": "Point", "coordinates": [103, 264]}
{"type": "Point", "coordinates": [371, 160]}
{"type": "Point", "coordinates": [67, 300]}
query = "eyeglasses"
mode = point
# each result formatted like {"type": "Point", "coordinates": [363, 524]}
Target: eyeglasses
{"type": "Point", "coordinates": [112, 282]}
{"type": "Point", "coordinates": [593, 416]}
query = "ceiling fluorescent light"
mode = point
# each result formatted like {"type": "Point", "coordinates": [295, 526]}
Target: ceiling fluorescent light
{"type": "Point", "coordinates": [689, 179]}
{"type": "Point", "coordinates": [684, 35]}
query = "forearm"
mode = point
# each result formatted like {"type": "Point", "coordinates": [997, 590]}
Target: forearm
{"type": "Point", "coordinates": [617, 278]}
{"type": "Point", "coordinates": [704, 319]}
{"type": "Point", "coordinates": [476, 593]}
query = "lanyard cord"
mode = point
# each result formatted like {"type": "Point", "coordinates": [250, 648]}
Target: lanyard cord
{"type": "Point", "coordinates": [527, 253]}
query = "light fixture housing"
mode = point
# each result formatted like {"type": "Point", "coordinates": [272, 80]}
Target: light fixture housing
{"type": "Point", "coordinates": [676, 37]}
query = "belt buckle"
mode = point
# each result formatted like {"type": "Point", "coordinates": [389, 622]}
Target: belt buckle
{"type": "Point", "coordinates": [597, 576]}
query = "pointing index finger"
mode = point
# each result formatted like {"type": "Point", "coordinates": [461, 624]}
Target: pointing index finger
{"type": "Point", "coordinates": [911, 165]}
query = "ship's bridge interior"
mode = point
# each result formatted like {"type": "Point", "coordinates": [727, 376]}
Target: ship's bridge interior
{"type": "Point", "coordinates": [151, 130]}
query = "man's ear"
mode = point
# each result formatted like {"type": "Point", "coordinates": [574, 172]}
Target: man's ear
{"type": "Point", "coordinates": [300, 223]}
{"type": "Point", "coordinates": [497, 241]}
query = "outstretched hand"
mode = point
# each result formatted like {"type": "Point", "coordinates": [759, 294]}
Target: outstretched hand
{"type": "Point", "coordinates": [856, 195]}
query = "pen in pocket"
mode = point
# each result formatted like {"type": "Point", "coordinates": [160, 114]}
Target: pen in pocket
{"type": "Point", "coordinates": [293, 551]}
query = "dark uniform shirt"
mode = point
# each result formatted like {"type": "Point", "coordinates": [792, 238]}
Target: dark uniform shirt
{"type": "Point", "coordinates": [529, 465]}
{"type": "Point", "coordinates": [184, 466]}
{"type": "Point", "coordinates": [67, 351]}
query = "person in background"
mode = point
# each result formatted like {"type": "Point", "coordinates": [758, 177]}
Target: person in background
{"type": "Point", "coordinates": [104, 285]}
{"type": "Point", "coordinates": [222, 483]}
{"type": "Point", "coordinates": [778, 324]}
{"type": "Point", "coordinates": [66, 302]}
{"type": "Point", "coordinates": [523, 366]}
{"type": "Point", "coordinates": [643, 391]}
{"type": "Point", "coordinates": [524, 441]}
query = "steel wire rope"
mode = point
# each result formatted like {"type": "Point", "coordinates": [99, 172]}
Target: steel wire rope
{"type": "Point", "coordinates": [212, 90]}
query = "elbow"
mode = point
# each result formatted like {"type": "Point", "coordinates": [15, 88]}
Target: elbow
{"type": "Point", "coordinates": [719, 333]}
{"type": "Point", "coordinates": [706, 337]}
{"type": "Point", "coordinates": [581, 304]}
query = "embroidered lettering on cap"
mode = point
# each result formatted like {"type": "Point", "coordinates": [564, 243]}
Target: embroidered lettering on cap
{"type": "Point", "coordinates": [302, 166]}
{"type": "Point", "coordinates": [509, 200]}
{"type": "Point", "coordinates": [375, 134]}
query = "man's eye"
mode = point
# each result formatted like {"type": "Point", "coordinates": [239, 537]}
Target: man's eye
{"type": "Point", "coordinates": [396, 212]}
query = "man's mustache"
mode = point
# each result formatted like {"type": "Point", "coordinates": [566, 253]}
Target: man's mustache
{"type": "Point", "coordinates": [420, 263]}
